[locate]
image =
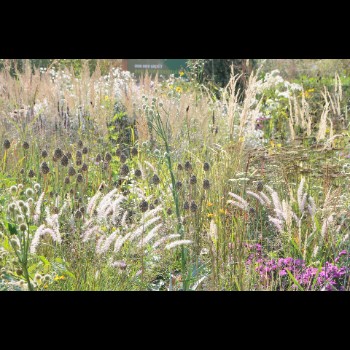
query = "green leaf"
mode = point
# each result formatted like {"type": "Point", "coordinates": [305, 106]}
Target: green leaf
{"type": "Point", "coordinates": [294, 280]}
{"type": "Point", "coordinates": [44, 260]}
{"type": "Point", "coordinates": [12, 229]}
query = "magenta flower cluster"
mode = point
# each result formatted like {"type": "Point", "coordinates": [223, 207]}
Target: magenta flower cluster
{"type": "Point", "coordinates": [330, 276]}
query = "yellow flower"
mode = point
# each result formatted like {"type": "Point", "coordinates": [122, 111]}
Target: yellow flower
{"type": "Point", "coordinates": [181, 73]}
{"type": "Point", "coordinates": [221, 211]}
{"type": "Point", "coordinates": [178, 89]}
{"type": "Point", "coordinates": [209, 204]}
{"type": "Point", "coordinates": [210, 215]}
{"type": "Point", "coordinates": [58, 278]}
{"type": "Point", "coordinates": [106, 98]}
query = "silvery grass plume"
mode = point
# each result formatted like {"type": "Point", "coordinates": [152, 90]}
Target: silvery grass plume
{"type": "Point", "coordinates": [241, 203]}
{"type": "Point", "coordinates": [40, 232]}
{"type": "Point", "coordinates": [178, 243]}
{"type": "Point", "coordinates": [37, 210]}
{"type": "Point", "coordinates": [257, 196]}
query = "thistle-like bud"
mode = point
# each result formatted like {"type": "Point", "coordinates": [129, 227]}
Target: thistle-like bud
{"type": "Point", "coordinates": [7, 144]}
{"type": "Point", "coordinates": [71, 171]}
{"type": "Point", "coordinates": [206, 166]}
{"type": "Point", "coordinates": [25, 145]}
{"type": "Point", "coordinates": [143, 206]}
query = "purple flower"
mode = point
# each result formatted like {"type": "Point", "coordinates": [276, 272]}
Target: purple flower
{"type": "Point", "coordinates": [282, 273]}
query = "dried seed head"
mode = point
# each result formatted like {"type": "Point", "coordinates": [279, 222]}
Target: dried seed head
{"type": "Point", "coordinates": [31, 173]}
{"type": "Point", "coordinates": [260, 186]}
{"type": "Point", "coordinates": [108, 157]}
{"type": "Point", "coordinates": [7, 144]}
{"type": "Point", "coordinates": [44, 168]}
{"type": "Point", "coordinates": [138, 173]}
{"type": "Point", "coordinates": [22, 171]}
{"type": "Point", "coordinates": [84, 167]}
{"type": "Point", "coordinates": [44, 153]}
{"type": "Point", "coordinates": [69, 155]}
{"type": "Point", "coordinates": [193, 180]}
{"type": "Point", "coordinates": [98, 158]}
{"type": "Point", "coordinates": [124, 170]}
{"type": "Point", "coordinates": [188, 166]}
{"type": "Point", "coordinates": [23, 227]}
{"type": "Point", "coordinates": [206, 184]}
{"type": "Point", "coordinates": [54, 159]}
{"type": "Point", "coordinates": [169, 211]}
{"type": "Point", "coordinates": [193, 206]}
{"type": "Point", "coordinates": [25, 145]}
{"type": "Point", "coordinates": [78, 155]}
{"type": "Point", "coordinates": [58, 153]}
{"type": "Point", "coordinates": [186, 205]}
{"type": "Point", "coordinates": [55, 210]}
{"type": "Point", "coordinates": [143, 206]}
{"type": "Point", "coordinates": [206, 166]}
{"type": "Point", "coordinates": [156, 201]}
{"type": "Point", "coordinates": [151, 206]}
{"type": "Point", "coordinates": [80, 144]}
{"type": "Point", "coordinates": [134, 151]}
{"type": "Point", "coordinates": [80, 178]}
{"type": "Point", "coordinates": [251, 211]}
{"type": "Point", "coordinates": [66, 180]}
{"type": "Point", "coordinates": [78, 214]}
{"type": "Point", "coordinates": [178, 185]}
{"type": "Point", "coordinates": [123, 158]}
{"type": "Point", "coordinates": [180, 167]}
{"type": "Point", "coordinates": [82, 210]}
{"type": "Point", "coordinates": [85, 150]}
{"type": "Point", "coordinates": [105, 165]}
{"type": "Point", "coordinates": [155, 179]}
{"type": "Point", "coordinates": [64, 160]}
{"type": "Point", "coordinates": [118, 152]}
{"type": "Point", "coordinates": [78, 162]}
{"type": "Point", "coordinates": [71, 171]}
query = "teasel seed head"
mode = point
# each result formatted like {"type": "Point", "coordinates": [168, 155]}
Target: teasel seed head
{"type": "Point", "coordinates": [69, 155]}
{"type": "Point", "coordinates": [25, 145]}
{"type": "Point", "coordinates": [78, 214]}
{"type": "Point", "coordinates": [206, 166]}
{"type": "Point", "coordinates": [260, 186]}
{"type": "Point", "coordinates": [124, 170]}
{"type": "Point", "coordinates": [85, 150]}
{"type": "Point", "coordinates": [178, 185]}
{"type": "Point", "coordinates": [98, 158]}
{"type": "Point", "coordinates": [64, 160]}
{"type": "Point", "coordinates": [44, 153]}
{"type": "Point", "coordinates": [66, 180]}
{"type": "Point", "coordinates": [118, 152]}
{"type": "Point", "coordinates": [71, 171]}
{"type": "Point", "coordinates": [143, 206]}
{"type": "Point", "coordinates": [188, 166]}
{"type": "Point", "coordinates": [193, 206]}
{"type": "Point", "coordinates": [55, 210]}
{"type": "Point", "coordinates": [180, 167]}
{"type": "Point", "coordinates": [134, 151]}
{"type": "Point", "coordinates": [155, 179]}
{"type": "Point", "coordinates": [44, 168]}
{"type": "Point", "coordinates": [7, 144]}
{"type": "Point", "coordinates": [58, 153]}
{"type": "Point", "coordinates": [151, 206]}
{"type": "Point", "coordinates": [206, 184]}
{"type": "Point", "coordinates": [84, 167]}
{"type": "Point", "coordinates": [123, 158]}
{"type": "Point", "coordinates": [169, 211]}
{"type": "Point", "coordinates": [31, 173]}
{"type": "Point", "coordinates": [80, 144]}
{"type": "Point", "coordinates": [138, 173]}
{"type": "Point", "coordinates": [186, 205]}
{"type": "Point", "coordinates": [108, 157]}
{"type": "Point", "coordinates": [80, 178]}
{"type": "Point", "coordinates": [78, 162]}
{"type": "Point", "coordinates": [22, 171]}
{"type": "Point", "coordinates": [193, 180]}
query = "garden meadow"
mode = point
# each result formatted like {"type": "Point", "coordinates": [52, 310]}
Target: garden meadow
{"type": "Point", "coordinates": [112, 183]}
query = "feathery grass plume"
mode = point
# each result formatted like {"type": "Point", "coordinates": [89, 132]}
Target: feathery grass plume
{"type": "Point", "coordinates": [240, 199]}
{"type": "Point", "coordinates": [99, 244]}
{"type": "Point", "coordinates": [277, 223]}
{"type": "Point", "coordinates": [311, 207]}
{"type": "Point", "coordinates": [277, 203]}
{"type": "Point", "coordinates": [178, 243]}
{"type": "Point", "coordinates": [119, 264]}
{"type": "Point", "coordinates": [116, 207]}
{"type": "Point", "coordinates": [42, 231]}
{"type": "Point", "coordinates": [37, 210]}
{"type": "Point", "coordinates": [143, 225]}
{"type": "Point", "coordinates": [256, 196]}
{"type": "Point", "coordinates": [151, 234]}
{"type": "Point", "coordinates": [322, 128]}
{"type": "Point", "coordinates": [303, 202]}
{"type": "Point", "coordinates": [108, 242]}
{"type": "Point", "coordinates": [150, 166]}
{"type": "Point", "coordinates": [120, 241]}
{"type": "Point", "coordinates": [123, 219]}
{"type": "Point", "coordinates": [88, 233]}
{"type": "Point", "coordinates": [238, 204]}
{"type": "Point", "coordinates": [326, 224]}
{"type": "Point", "coordinates": [300, 192]}
{"type": "Point", "coordinates": [213, 231]}
{"type": "Point", "coordinates": [93, 202]}
{"type": "Point", "coordinates": [153, 212]}
{"type": "Point", "coordinates": [104, 208]}
{"type": "Point", "coordinates": [164, 239]}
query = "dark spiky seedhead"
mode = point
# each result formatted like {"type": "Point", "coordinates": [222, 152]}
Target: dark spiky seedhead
{"type": "Point", "coordinates": [178, 185]}
{"type": "Point", "coordinates": [22, 171]}
{"type": "Point", "coordinates": [78, 154]}
{"type": "Point", "coordinates": [55, 210]}
{"type": "Point", "coordinates": [180, 167]}
{"type": "Point", "coordinates": [155, 179]}
{"type": "Point", "coordinates": [80, 178]}
{"type": "Point", "coordinates": [64, 160]}
{"type": "Point", "coordinates": [71, 171]}
{"type": "Point", "coordinates": [169, 211]}
{"type": "Point", "coordinates": [98, 158]}
{"type": "Point", "coordinates": [44, 168]}
{"type": "Point", "coordinates": [66, 180]}
{"type": "Point", "coordinates": [58, 153]}
{"type": "Point", "coordinates": [151, 206]}
{"type": "Point", "coordinates": [80, 144]}
{"type": "Point", "coordinates": [260, 186]}
{"type": "Point", "coordinates": [69, 155]}
{"type": "Point", "coordinates": [186, 205]}
{"type": "Point", "coordinates": [206, 184]}
{"type": "Point", "coordinates": [138, 173]}
{"type": "Point", "coordinates": [143, 206]}
{"type": "Point", "coordinates": [25, 145]}
{"type": "Point", "coordinates": [84, 167]}
{"type": "Point", "coordinates": [123, 158]}
{"type": "Point", "coordinates": [85, 150]}
{"type": "Point", "coordinates": [193, 180]}
{"type": "Point", "coordinates": [78, 215]}
{"type": "Point", "coordinates": [188, 166]}
{"type": "Point", "coordinates": [108, 157]}
{"type": "Point", "coordinates": [31, 173]}
{"type": "Point", "coordinates": [44, 153]}
{"type": "Point", "coordinates": [134, 151]}
{"type": "Point", "coordinates": [193, 206]}
{"type": "Point", "coordinates": [78, 162]}
{"type": "Point", "coordinates": [206, 166]}
{"type": "Point", "coordinates": [7, 144]}
{"type": "Point", "coordinates": [124, 170]}
{"type": "Point", "coordinates": [118, 152]}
